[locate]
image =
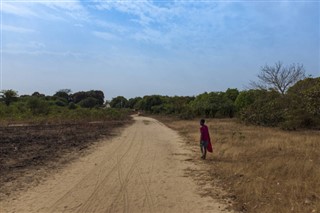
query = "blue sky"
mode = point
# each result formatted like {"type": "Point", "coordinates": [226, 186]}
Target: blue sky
{"type": "Point", "coordinates": [137, 48]}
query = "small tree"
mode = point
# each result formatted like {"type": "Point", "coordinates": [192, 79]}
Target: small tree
{"type": "Point", "coordinates": [89, 102]}
{"type": "Point", "coordinates": [63, 93]}
{"type": "Point", "coordinates": [279, 77]}
{"type": "Point", "coordinates": [119, 102]}
{"type": "Point", "coordinates": [37, 94]}
{"type": "Point", "coordinates": [9, 96]}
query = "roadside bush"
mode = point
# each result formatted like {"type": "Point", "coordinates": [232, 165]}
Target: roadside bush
{"type": "Point", "coordinates": [38, 106]}
{"type": "Point", "coordinates": [81, 96]}
{"type": "Point", "coordinates": [8, 96]}
{"type": "Point", "coordinates": [72, 105]}
{"type": "Point", "coordinates": [267, 110]}
{"type": "Point", "coordinates": [119, 102]}
{"type": "Point", "coordinates": [61, 102]}
{"type": "Point", "coordinates": [187, 113]}
{"type": "Point", "coordinates": [246, 98]}
{"type": "Point", "coordinates": [89, 103]}
{"type": "Point", "coordinates": [303, 109]}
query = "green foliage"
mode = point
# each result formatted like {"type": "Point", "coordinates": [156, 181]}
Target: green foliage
{"type": "Point", "coordinates": [187, 113]}
{"type": "Point", "coordinates": [96, 94]}
{"type": "Point", "coordinates": [38, 106]}
{"type": "Point", "coordinates": [89, 102]}
{"type": "Point", "coordinates": [246, 98]}
{"type": "Point", "coordinates": [232, 94]}
{"type": "Point", "coordinates": [267, 109]}
{"type": "Point", "coordinates": [58, 108]}
{"type": "Point", "coordinates": [298, 108]}
{"type": "Point", "coordinates": [72, 105]}
{"type": "Point", "coordinates": [119, 102]}
{"type": "Point", "coordinates": [61, 102]}
{"type": "Point", "coordinates": [214, 104]}
{"type": "Point", "coordinates": [150, 101]}
{"type": "Point", "coordinates": [37, 94]}
{"type": "Point", "coordinates": [303, 105]}
{"type": "Point", "coordinates": [133, 103]}
{"type": "Point", "coordinates": [79, 96]}
{"type": "Point", "coordinates": [8, 96]}
{"type": "Point", "coordinates": [63, 94]}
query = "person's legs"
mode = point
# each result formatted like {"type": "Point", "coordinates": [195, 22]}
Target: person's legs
{"type": "Point", "coordinates": [205, 152]}
{"type": "Point", "coordinates": [204, 147]}
{"type": "Point", "coordinates": [201, 148]}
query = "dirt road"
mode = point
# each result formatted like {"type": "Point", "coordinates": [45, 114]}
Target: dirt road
{"type": "Point", "coordinates": [142, 170]}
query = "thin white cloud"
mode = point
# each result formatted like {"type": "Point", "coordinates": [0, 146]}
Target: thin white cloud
{"type": "Point", "coordinates": [111, 26]}
{"type": "Point", "coordinates": [35, 48]}
{"type": "Point", "coordinates": [46, 53]}
{"type": "Point", "coordinates": [71, 9]}
{"type": "Point", "coordinates": [15, 29]}
{"type": "Point", "coordinates": [19, 9]}
{"type": "Point", "coordinates": [105, 35]}
{"type": "Point", "coordinates": [24, 47]}
{"type": "Point", "coordinates": [145, 12]}
{"type": "Point", "coordinates": [52, 10]}
{"type": "Point", "coordinates": [170, 25]}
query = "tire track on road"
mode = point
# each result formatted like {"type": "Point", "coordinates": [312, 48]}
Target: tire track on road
{"type": "Point", "coordinates": [98, 182]}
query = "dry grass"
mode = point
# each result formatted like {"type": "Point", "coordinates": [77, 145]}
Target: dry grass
{"type": "Point", "coordinates": [263, 169]}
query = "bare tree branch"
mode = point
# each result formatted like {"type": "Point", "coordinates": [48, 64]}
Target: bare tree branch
{"type": "Point", "coordinates": [279, 77]}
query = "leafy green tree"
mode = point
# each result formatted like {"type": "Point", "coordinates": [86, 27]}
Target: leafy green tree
{"type": "Point", "coordinates": [267, 109]}
{"type": "Point", "coordinates": [246, 98]}
{"type": "Point", "coordinates": [226, 107]}
{"type": "Point", "coordinates": [303, 100]}
{"type": "Point", "coordinates": [119, 102]}
{"type": "Point", "coordinates": [232, 94]}
{"type": "Point", "coordinates": [132, 102]}
{"type": "Point", "coordinates": [63, 94]}
{"type": "Point", "coordinates": [37, 94]}
{"type": "Point", "coordinates": [72, 105]}
{"type": "Point", "coordinates": [38, 106]}
{"type": "Point", "coordinates": [207, 104]}
{"type": "Point", "coordinates": [178, 104]}
{"type": "Point", "coordinates": [79, 96]}
{"type": "Point", "coordinates": [89, 102]}
{"type": "Point", "coordinates": [96, 94]}
{"type": "Point", "coordinates": [150, 101]}
{"type": "Point", "coordinates": [9, 96]}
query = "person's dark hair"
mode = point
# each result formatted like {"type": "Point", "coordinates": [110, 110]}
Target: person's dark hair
{"type": "Point", "coordinates": [202, 121]}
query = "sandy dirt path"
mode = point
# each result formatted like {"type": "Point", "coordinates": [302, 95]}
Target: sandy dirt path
{"type": "Point", "coordinates": [142, 170]}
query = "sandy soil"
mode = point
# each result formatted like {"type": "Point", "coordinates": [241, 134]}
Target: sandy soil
{"type": "Point", "coordinates": [142, 170]}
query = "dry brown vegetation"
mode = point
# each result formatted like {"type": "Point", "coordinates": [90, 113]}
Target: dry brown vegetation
{"type": "Point", "coordinates": [262, 169]}
{"type": "Point", "coordinates": [29, 153]}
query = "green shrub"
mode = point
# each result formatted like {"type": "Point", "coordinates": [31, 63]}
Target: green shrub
{"type": "Point", "coordinates": [89, 103]}
{"type": "Point", "coordinates": [72, 105]}
{"type": "Point", "coordinates": [61, 102]}
{"type": "Point", "coordinates": [38, 106]}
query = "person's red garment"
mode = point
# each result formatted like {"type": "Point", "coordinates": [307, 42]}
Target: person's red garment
{"type": "Point", "coordinates": [205, 136]}
{"type": "Point", "coordinates": [204, 133]}
{"type": "Point", "coordinates": [209, 147]}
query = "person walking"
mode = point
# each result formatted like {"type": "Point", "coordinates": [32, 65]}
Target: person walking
{"type": "Point", "coordinates": [205, 142]}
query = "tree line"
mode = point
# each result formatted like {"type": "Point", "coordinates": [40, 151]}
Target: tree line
{"type": "Point", "coordinates": [63, 106]}
{"type": "Point", "coordinates": [299, 107]}
{"type": "Point", "coordinates": [282, 97]}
